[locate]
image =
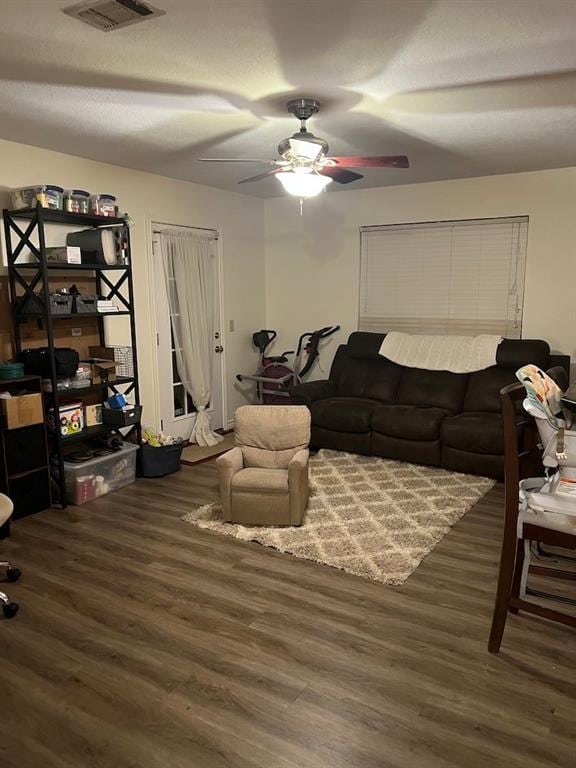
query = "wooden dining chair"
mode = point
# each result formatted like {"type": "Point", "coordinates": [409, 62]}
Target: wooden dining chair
{"type": "Point", "coordinates": [522, 459]}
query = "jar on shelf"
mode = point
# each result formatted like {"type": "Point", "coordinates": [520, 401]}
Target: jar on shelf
{"type": "Point", "coordinates": [103, 205]}
{"type": "Point", "coordinates": [48, 195]}
{"type": "Point", "coordinates": [77, 201]}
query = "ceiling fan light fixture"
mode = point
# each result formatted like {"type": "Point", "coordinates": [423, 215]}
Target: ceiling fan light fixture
{"type": "Point", "coordinates": [303, 184]}
{"type": "Point", "coordinates": [307, 150]}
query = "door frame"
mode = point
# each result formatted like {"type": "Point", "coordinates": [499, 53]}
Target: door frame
{"type": "Point", "coordinates": [151, 223]}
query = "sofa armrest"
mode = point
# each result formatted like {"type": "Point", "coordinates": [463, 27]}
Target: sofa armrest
{"type": "Point", "coordinates": [298, 485]}
{"type": "Point", "coordinates": [228, 465]}
{"type": "Point", "coordinates": [306, 394]}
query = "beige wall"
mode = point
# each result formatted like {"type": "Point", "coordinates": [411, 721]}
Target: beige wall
{"type": "Point", "coordinates": [312, 262]}
{"type": "Point", "coordinates": [293, 273]}
{"type": "Point", "coordinates": [148, 198]}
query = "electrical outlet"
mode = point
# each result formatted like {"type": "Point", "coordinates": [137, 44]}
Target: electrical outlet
{"type": "Point", "coordinates": [76, 331]}
{"type": "Point", "coordinates": [231, 326]}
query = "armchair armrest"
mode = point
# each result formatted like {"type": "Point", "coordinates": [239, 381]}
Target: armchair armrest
{"type": "Point", "coordinates": [228, 465]}
{"type": "Point", "coordinates": [306, 394]}
{"type": "Point", "coordinates": [298, 485]}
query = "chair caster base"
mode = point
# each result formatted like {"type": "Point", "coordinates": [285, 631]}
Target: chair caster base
{"type": "Point", "coordinates": [13, 574]}
{"type": "Point", "coordinates": [10, 610]}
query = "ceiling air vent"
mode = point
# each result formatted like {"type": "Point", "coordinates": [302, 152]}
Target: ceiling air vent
{"type": "Point", "coordinates": [107, 15]}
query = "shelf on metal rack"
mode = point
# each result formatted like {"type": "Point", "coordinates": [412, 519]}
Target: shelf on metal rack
{"type": "Point", "coordinates": [74, 392]}
{"type": "Point", "coordinates": [76, 315]}
{"type": "Point", "coordinates": [64, 217]}
{"type": "Point", "coordinates": [88, 432]}
{"type": "Point", "coordinates": [73, 267]}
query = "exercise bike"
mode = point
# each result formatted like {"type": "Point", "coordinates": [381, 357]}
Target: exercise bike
{"type": "Point", "coordinates": [273, 375]}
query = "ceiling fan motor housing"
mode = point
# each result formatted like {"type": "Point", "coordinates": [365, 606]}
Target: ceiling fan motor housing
{"type": "Point", "coordinates": [303, 109]}
{"type": "Point", "coordinates": [284, 145]}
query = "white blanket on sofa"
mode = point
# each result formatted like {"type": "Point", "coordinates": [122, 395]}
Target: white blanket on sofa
{"type": "Point", "coordinates": [459, 354]}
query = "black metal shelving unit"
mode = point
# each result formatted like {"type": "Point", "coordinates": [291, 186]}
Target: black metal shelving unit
{"type": "Point", "coordinates": [32, 279]}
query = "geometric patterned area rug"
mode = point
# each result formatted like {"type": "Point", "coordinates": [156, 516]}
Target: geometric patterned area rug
{"type": "Point", "coordinates": [368, 516]}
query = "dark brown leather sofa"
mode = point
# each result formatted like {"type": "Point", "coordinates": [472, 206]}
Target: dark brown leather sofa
{"type": "Point", "coordinates": [372, 406]}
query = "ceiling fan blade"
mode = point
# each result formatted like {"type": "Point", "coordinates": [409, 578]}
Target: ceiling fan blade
{"type": "Point", "coordinates": [384, 161]}
{"type": "Point", "coordinates": [341, 175]}
{"type": "Point", "coordinates": [235, 160]}
{"type": "Point", "coordinates": [308, 149]}
{"type": "Point", "coordinates": [261, 176]}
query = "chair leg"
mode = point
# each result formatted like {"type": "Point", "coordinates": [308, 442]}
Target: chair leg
{"type": "Point", "coordinates": [504, 590]}
{"type": "Point", "coordinates": [518, 572]}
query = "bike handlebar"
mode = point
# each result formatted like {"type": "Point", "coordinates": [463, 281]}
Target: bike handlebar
{"type": "Point", "coordinates": [328, 331]}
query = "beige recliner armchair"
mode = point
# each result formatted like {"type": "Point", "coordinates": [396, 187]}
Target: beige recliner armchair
{"type": "Point", "coordinates": [264, 480]}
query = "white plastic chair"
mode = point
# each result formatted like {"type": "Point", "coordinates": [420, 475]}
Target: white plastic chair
{"type": "Point", "coordinates": [9, 608]}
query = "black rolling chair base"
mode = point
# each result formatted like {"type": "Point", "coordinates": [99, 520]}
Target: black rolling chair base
{"type": "Point", "coordinates": [9, 609]}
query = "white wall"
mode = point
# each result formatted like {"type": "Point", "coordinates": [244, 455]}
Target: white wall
{"type": "Point", "coordinates": [312, 262]}
{"type": "Point", "coordinates": [148, 198]}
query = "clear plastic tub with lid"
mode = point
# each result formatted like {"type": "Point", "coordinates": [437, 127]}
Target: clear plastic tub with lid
{"type": "Point", "coordinates": [104, 474]}
{"type": "Point", "coordinates": [48, 195]}
{"type": "Point", "coordinates": [77, 201]}
{"type": "Point", "coordinates": [103, 205]}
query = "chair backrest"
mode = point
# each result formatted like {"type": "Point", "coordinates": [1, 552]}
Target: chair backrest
{"type": "Point", "coordinates": [522, 451]}
{"type": "Point", "coordinates": [270, 435]}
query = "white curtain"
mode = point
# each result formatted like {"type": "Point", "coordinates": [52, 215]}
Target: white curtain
{"type": "Point", "coordinates": [188, 261]}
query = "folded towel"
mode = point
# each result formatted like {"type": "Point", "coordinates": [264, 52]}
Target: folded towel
{"type": "Point", "coordinates": [458, 354]}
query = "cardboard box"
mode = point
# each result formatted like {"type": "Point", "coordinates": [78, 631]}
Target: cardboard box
{"type": "Point", "coordinates": [101, 371]}
{"type": "Point", "coordinates": [93, 415]}
{"type": "Point", "coordinates": [102, 353]}
{"type": "Point", "coordinates": [22, 411]}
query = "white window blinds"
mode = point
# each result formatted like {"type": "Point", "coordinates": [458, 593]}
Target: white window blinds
{"type": "Point", "coordinates": [455, 277]}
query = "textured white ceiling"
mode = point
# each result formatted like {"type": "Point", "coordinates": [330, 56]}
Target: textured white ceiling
{"type": "Point", "coordinates": [463, 87]}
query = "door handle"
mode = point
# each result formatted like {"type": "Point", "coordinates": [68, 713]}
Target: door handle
{"type": "Point", "coordinates": [219, 348]}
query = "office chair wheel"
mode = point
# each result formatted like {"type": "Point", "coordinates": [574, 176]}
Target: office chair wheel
{"type": "Point", "coordinates": [10, 610]}
{"type": "Point", "coordinates": [13, 574]}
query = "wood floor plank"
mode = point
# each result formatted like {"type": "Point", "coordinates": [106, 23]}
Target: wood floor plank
{"type": "Point", "coordinates": [144, 641]}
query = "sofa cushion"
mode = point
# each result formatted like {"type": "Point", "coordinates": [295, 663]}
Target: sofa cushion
{"type": "Point", "coordinates": [350, 442]}
{"type": "Point", "coordinates": [408, 421]}
{"type": "Point", "coordinates": [483, 393]}
{"type": "Point", "coordinates": [260, 480]}
{"type": "Point", "coordinates": [414, 451]}
{"type": "Point", "coordinates": [436, 389]}
{"type": "Point", "coordinates": [514, 353]}
{"type": "Point", "coordinates": [485, 464]}
{"type": "Point", "coordinates": [343, 414]}
{"type": "Point", "coordinates": [371, 379]}
{"type": "Point", "coordinates": [474, 432]}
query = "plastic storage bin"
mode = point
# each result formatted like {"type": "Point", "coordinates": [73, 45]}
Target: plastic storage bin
{"type": "Point", "coordinates": [87, 303]}
{"type": "Point", "coordinates": [90, 479]}
{"type": "Point", "coordinates": [76, 201]}
{"type": "Point", "coordinates": [161, 461]}
{"type": "Point", "coordinates": [123, 417]}
{"type": "Point", "coordinates": [103, 205]}
{"type": "Point", "coordinates": [48, 195]}
{"type": "Point", "coordinates": [61, 304]}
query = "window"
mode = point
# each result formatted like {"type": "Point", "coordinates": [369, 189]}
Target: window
{"type": "Point", "coordinates": [456, 277]}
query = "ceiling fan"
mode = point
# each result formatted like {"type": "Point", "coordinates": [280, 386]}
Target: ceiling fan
{"type": "Point", "coordinates": [304, 167]}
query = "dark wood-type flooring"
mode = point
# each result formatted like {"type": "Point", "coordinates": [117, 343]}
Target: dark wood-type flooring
{"type": "Point", "coordinates": [143, 642]}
